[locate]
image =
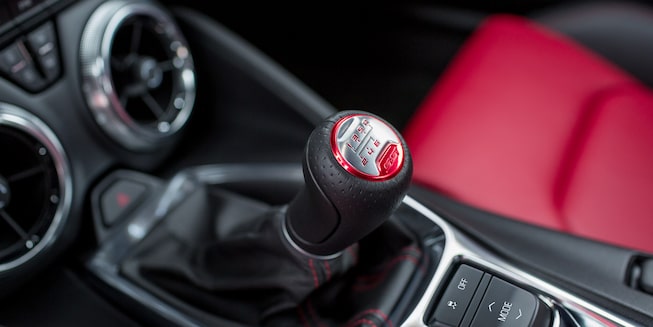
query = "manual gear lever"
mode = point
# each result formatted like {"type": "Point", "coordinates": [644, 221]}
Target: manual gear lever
{"type": "Point", "coordinates": [357, 170]}
{"type": "Point", "coordinates": [246, 261]}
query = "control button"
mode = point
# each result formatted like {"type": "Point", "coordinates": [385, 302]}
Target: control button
{"type": "Point", "coordinates": [19, 67]}
{"type": "Point", "coordinates": [10, 57]}
{"type": "Point", "coordinates": [457, 296]}
{"type": "Point", "coordinates": [120, 197]}
{"type": "Point", "coordinates": [28, 77]}
{"type": "Point", "coordinates": [476, 300]}
{"type": "Point", "coordinates": [43, 43]}
{"type": "Point", "coordinates": [505, 305]}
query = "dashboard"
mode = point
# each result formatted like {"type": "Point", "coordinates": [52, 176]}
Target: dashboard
{"type": "Point", "coordinates": [48, 129]}
{"type": "Point", "coordinates": [114, 114]}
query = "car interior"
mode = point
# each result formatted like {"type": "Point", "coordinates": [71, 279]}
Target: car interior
{"type": "Point", "coordinates": [412, 163]}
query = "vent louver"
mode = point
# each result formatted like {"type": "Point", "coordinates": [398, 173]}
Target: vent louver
{"type": "Point", "coordinates": [34, 187]}
{"type": "Point", "coordinates": [138, 73]}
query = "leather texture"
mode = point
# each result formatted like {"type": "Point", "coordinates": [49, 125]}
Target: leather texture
{"type": "Point", "coordinates": [221, 258]}
{"type": "Point", "coordinates": [528, 124]}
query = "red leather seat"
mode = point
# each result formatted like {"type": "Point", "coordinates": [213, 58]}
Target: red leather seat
{"type": "Point", "coordinates": [527, 124]}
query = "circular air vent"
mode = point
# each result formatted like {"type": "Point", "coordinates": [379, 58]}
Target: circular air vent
{"type": "Point", "coordinates": [138, 74]}
{"type": "Point", "coordinates": [35, 187]}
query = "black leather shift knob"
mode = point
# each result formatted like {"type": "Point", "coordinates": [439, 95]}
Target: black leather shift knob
{"type": "Point", "coordinates": [357, 170]}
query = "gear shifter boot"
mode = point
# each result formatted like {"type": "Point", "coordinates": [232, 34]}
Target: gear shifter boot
{"type": "Point", "coordinates": [226, 254]}
{"type": "Point", "coordinates": [218, 258]}
{"type": "Point", "coordinates": [332, 255]}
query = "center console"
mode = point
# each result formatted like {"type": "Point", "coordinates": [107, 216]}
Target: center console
{"type": "Point", "coordinates": [446, 277]}
{"type": "Point", "coordinates": [453, 281]}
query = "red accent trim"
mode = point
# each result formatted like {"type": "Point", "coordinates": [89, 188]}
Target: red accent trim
{"type": "Point", "coordinates": [527, 124]}
{"type": "Point", "coordinates": [384, 175]}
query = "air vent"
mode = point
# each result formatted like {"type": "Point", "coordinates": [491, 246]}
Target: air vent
{"type": "Point", "coordinates": [34, 187]}
{"type": "Point", "coordinates": [138, 73]}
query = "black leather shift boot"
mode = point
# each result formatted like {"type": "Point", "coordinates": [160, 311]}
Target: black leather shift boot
{"type": "Point", "coordinates": [223, 259]}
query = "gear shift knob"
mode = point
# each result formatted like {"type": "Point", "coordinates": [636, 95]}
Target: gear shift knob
{"type": "Point", "coordinates": [357, 170]}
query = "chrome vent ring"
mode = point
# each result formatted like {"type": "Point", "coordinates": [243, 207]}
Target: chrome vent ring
{"type": "Point", "coordinates": [35, 187]}
{"type": "Point", "coordinates": [138, 74]}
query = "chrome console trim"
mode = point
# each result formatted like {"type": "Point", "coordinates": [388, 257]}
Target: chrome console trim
{"type": "Point", "coordinates": [105, 263]}
{"type": "Point", "coordinates": [20, 119]}
{"type": "Point", "coordinates": [459, 247]}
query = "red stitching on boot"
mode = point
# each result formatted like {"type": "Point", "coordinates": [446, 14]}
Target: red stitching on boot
{"type": "Point", "coordinates": [316, 281]}
{"type": "Point", "coordinates": [302, 317]}
{"type": "Point", "coordinates": [361, 321]}
{"type": "Point", "coordinates": [327, 269]}
{"type": "Point", "coordinates": [311, 311]}
{"type": "Point", "coordinates": [376, 278]}
{"type": "Point", "coordinates": [377, 312]}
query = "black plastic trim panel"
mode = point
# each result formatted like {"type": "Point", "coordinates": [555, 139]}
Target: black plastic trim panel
{"type": "Point", "coordinates": [561, 259]}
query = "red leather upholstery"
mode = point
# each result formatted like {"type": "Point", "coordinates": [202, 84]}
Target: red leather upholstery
{"type": "Point", "coordinates": [529, 125]}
